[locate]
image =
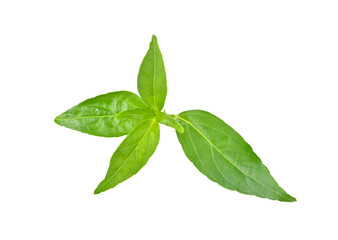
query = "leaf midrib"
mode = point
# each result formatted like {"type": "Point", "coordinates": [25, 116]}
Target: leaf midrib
{"type": "Point", "coordinates": [103, 116]}
{"type": "Point", "coordinates": [211, 177]}
{"type": "Point", "coordinates": [227, 158]}
{"type": "Point", "coordinates": [154, 77]}
{"type": "Point", "coordinates": [106, 181]}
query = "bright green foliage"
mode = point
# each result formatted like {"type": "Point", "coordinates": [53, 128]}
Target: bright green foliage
{"type": "Point", "coordinates": [137, 114]}
{"type": "Point", "coordinates": [221, 154]}
{"type": "Point", "coordinates": [152, 81]}
{"type": "Point", "coordinates": [170, 121]}
{"type": "Point", "coordinates": [217, 150]}
{"type": "Point", "coordinates": [98, 116]}
{"type": "Point", "coordinates": [132, 154]}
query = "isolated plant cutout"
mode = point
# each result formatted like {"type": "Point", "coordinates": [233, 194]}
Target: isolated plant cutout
{"type": "Point", "coordinates": [217, 150]}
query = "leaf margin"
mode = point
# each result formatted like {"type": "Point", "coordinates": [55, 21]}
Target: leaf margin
{"type": "Point", "coordinates": [289, 198]}
{"type": "Point", "coordinates": [99, 188]}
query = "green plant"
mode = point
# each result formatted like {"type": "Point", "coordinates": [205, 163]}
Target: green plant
{"type": "Point", "coordinates": [217, 150]}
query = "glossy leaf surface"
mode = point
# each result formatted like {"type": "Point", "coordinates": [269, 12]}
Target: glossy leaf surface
{"type": "Point", "coordinates": [97, 116]}
{"type": "Point", "coordinates": [136, 114]}
{"type": "Point", "coordinates": [217, 150]}
{"type": "Point", "coordinates": [151, 81]}
{"type": "Point", "coordinates": [221, 154]}
{"type": "Point", "coordinates": [132, 154]}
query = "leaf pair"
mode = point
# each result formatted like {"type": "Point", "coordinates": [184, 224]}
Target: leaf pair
{"type": "Point", "coordinates": [217, 150]}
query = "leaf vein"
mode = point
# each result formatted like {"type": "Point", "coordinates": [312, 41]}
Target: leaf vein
{"type": "Point", "coordinates": [227, 158]}
{"type": "Point", "coordinates": [107, 180]}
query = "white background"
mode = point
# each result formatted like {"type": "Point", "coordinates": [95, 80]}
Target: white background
{"type": "Point", "coordinates": [267, 68]}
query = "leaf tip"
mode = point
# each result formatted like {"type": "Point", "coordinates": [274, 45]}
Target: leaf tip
{"type": "Point", "coordinates": [288, 198]}
{"type": "Point", "coordinates": [97, 191]}
{"type": "Point", "coordinates": [100, 188]}
{"type": "Point", "coordinates": [292, 199]}
{"type": "Point", "coordinates": [56, 120]}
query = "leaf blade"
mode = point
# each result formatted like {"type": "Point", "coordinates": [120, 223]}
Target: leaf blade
{"type": "Point", "coordinates": [151, 81]}
{"type": "Point", "coordinates": [221, 154]}
{"type": "Point", "coordinates": [98, 116]}
{"type": "Point", "coordinates": [138, 114]}
{"type": "Point", "coordinates": [132, 154]}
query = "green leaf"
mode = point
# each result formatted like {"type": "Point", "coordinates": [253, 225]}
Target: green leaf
{"type": "Point", "coordinates": [221, 154]}
{"type": "Point", "coordinates": [151, 82]}
{"type": "Point", "coordinates": [132, 154]}
{"type": "Point", "coordinates": [169, 121]}
{"type": "Point", "coordinates": [97, 116]}
{"type": "Point", "coordinates": [137, 114]}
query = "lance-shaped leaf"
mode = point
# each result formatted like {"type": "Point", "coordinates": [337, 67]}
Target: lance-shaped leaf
{"type": "Point", "coordinates": [132, 154]}
{"type": "Point", "coordinates": [98, 116]}
{"type": "Point", "coordinates": [151, 81]}
{"type": "Point", "coordinates": [221, 154]}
